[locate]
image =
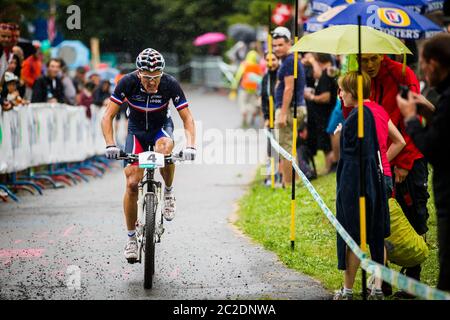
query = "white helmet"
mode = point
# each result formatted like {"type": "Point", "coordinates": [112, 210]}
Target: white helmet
{"type": "Point", "coordinates": [150, 60]}
{"type": "Point", "coordinates": [9, 76]}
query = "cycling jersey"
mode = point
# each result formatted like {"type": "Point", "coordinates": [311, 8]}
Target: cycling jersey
{"type": "Point", "coordinates": [148, 111]}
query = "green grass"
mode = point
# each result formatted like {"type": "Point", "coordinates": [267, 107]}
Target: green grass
{"type": "Point", "coordinates": [264, 215]}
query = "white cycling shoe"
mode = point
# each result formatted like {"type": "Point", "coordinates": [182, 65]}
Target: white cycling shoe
{"type": "Point", "coordinates": [131, 250]}
{"type": "Point", "coordinates": [169, 206]}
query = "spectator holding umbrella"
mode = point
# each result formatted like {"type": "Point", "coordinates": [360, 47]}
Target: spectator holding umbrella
{"type": "Point", "coordinates": [435, 63]}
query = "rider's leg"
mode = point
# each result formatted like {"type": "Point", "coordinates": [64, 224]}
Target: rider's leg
{"type": "Point", "coordinates": [165, 146]}
{"type": "Point", "coordinates": [133, 175]}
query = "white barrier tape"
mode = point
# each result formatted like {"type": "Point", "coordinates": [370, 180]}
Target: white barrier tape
{"type": "Point", "coordinates": [391, 276]}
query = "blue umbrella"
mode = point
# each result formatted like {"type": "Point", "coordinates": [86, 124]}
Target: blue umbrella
{"type": "Point", "coordinates": [74, 53]}
{"type": "Point", "coordinates": [321, 6]}
{"type": "Point", "coordinates": [387, 17]}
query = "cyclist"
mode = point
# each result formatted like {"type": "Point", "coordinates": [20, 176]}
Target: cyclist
{"type": "Point", "coordinates": [147, 91]}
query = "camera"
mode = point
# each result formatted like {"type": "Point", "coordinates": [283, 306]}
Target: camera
{"type": "Point", "coordinates": [403, 90]}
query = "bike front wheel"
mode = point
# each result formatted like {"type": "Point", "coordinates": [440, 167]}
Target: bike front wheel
{"type": "Point", "coordinates": [149, 248]}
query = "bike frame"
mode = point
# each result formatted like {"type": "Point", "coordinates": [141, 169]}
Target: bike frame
{"type": "Point", "coordinates": [149, 184]}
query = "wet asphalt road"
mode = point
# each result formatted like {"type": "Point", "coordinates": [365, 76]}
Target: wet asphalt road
{"type": "Point", "coordinates": [68, 244]}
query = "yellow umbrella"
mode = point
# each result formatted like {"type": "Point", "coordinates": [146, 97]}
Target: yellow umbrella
{"type": "Point", "coordinates": [343, 39]}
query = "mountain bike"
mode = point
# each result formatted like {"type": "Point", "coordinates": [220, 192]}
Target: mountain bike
{"type": "Point", "coordinates": [150, 221]}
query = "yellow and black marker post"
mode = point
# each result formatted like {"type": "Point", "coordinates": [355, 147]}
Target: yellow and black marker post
{"type": "Point", "coordinates": [271, 107]}
{"type": "Point", "coordinates": [294, 129]}
{"type": "Point", "coordinates": [362, 180]}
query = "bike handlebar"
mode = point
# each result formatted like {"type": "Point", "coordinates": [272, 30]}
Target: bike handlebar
{"type": "Point", "coordinates": [130, 157]}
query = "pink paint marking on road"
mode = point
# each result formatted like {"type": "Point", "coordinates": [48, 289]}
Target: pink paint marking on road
{"type": "Point", "coordinates": [175, 273]}
{"type": "Point", "coordinates": [42, 234]}
{"type": "Point", "coordinates": [68, 231]}
{"type": "Point", "coordinates": [18, 241]}
{"type": "Point", "coordinates": [9, 254]}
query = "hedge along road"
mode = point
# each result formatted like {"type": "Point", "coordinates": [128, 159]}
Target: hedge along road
{"type": "Point", "coordinates": [68, 243]}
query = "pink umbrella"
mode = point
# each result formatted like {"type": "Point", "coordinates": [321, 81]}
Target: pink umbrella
{"type": "Point", "coordinates": [209, 38]}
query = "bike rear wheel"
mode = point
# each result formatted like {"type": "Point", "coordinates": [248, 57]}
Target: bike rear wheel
{"type": "Point", "coordinates": [149, 248]}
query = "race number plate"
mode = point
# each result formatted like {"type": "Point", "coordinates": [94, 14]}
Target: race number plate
{"type": "Point", "coordinates": [151, 160]}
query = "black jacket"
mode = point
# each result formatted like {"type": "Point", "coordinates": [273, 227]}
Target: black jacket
{"type": "Point", "coordinates": [265, 92]}
{"type": "Point", "coordinates": [100, 96]}
{"type": "Point", "coordinates": [433, 142]}
{"type": "Point", "coordinates": [45, 88]}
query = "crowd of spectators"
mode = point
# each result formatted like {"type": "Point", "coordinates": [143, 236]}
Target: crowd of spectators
{"type": "Point", "coordinates": [30, 79]}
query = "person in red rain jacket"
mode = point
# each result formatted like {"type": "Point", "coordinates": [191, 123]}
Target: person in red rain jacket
{"type": "Point", "coordinates": [409, 167]}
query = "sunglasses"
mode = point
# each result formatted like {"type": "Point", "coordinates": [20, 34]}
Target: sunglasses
{"type": "Point", "coordinates": [276, 35]}
{"type": "Point", "coordinates": [151, 78]}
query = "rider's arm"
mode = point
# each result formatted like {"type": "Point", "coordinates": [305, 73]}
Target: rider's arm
{"type": "Point", "coordinates": [115, 101]}
{"type": "Point", "coordinates": [189, 127]}
{"type": "Point", "coordinates": [107, 122]}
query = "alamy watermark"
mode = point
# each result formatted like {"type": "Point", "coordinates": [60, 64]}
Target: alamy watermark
{"type": "Point", "coordinates": [73, 21]}
{"type": "Point", "coordinates": [73, 280]}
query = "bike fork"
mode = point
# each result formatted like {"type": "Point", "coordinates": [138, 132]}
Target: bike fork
{"type": "Point", "coordinates": [140, 223]}
{"type": "Point", "coordinates": [160, 226]}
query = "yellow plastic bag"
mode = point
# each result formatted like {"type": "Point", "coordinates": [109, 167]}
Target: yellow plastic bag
{"type": "Point", "coordinates": [404, 246]}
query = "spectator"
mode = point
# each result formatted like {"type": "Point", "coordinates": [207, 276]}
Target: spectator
{"type": "Point", "coordinates": [308, 139]}
{"type": "Point", "coordinates": [18, 51]}
{"type": "Point", "coordinates": [87, 98]}
{"type": "Point", "coordinates": [68, 86]}
{"type": "Point", "coordinates": [435, 63]}
{"type": "Point", "coordinates": [247, 79]}
{"type": "Point", "coordinates": [14, 67]}
{"type": "Point", "coordinates": [95, 79]}
{"type": "Point", "coordinates": [102, 93]}
{"type": "Point", "coordinates": [32, 69]}
{"type": "Point", "coordinates": [15, 35]}
{"type": "Point", "coordinates": [11, 94]}
{"type": "Point", "coordinates": [284, 96]}
{"type": "Point", "coordinates": [410, 167]}
{"type": "Point", "coordinates": [6, 105]}
{"type": "Point", "coordinates": [323, 100]}
{"type": "Point", "coordinates": [49, 87]}
{"type": "Point", "coordinates": [5, 50]}
{"type": "Point", "coordinates": [347, 191]}
{"type": "Point", "coordinates": [336, 119]}
{"type": "Point", "coordinates": [267, 89]}
{"type": "Point", "coordinates": [79, 79]}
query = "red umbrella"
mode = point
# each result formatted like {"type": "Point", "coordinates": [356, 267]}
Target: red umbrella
{"type": "Point", "coordinates": [209, 38]}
